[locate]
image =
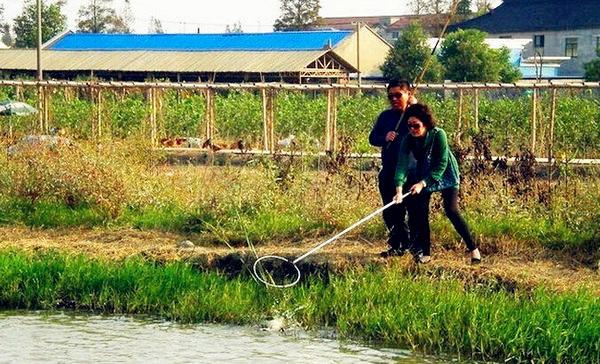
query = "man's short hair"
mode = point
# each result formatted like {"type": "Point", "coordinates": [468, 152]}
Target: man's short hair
{"type": "Point", "coordinates": [404, 84]}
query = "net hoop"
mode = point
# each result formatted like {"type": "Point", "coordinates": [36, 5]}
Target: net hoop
{"type": "Point", "coordinates": [271, 284]}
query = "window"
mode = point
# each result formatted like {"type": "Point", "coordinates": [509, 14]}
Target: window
{"type": "Point", "coordinates": [538, 41]}
{"type": "Point", "coordinates": [571, 47]}
{"type": "Point", "coordinates": [395, 35]}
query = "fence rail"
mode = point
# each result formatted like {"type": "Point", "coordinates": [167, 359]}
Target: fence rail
{"type": "Point", "coordinates": [283, 86]}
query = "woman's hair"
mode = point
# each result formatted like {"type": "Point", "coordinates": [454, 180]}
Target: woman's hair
{"type": "Point", "coordinates": [421, 112]}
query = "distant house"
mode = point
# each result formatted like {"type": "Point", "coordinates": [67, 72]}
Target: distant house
{"type": "Point", "coordinates": [297, 57]}
{"type": "Point", "coordinates": [564, 34]}
{"type": "Point", "coordinates": [388, 26]}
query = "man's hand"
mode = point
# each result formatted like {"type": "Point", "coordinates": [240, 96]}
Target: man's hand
{"type": "Point", "coordinates": [390, 136]}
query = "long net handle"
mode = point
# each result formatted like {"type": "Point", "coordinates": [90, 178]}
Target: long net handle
{"type": "Point", "coordinates": [360, 222]}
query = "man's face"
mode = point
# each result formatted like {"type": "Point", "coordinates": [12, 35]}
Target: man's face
{"type": "Point", "coordinates": [398, 98]}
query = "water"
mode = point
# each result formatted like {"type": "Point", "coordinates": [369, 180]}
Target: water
{"type": "Point", "coordinates": [27, 337]}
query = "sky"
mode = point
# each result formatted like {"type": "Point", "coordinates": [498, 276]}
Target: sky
{"type": "Point", "coordinates": [187, 16]}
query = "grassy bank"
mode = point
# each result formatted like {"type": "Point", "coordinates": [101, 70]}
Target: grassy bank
{"type": "Point", "coordinates": [381, 304]}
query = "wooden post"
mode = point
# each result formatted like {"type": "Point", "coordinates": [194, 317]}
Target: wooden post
{"type": "Point", "coordinates": [268, 102]}
{"type": "Point", "coordinates": [19, 92]}
{"type": "Point", "coordinates": [263, 94]}
{"type": "Point", "coordinates": [153, 140]}
{"type": "Point", "coordinates": [99, 112]}
{"type": "Point", "coordinates": [331, 122]}
{"type": "Point", "coordinates": [47, 97]}
{"type": "Point", "coordinates": [160, 120]}
{"type": "Point", "coordinates": [552, 122]}
{"type": "Point", "coordinates": [476, 109]}
{"type": "Point", "coordinates": [533, 120]}
{"type": "Point", "coordinates": [460, 111]}
{"type": "Point", "coordinates": [358, 54]}
{"type": "Point", "coordinates": [209, 115]}
{"type": "Point", "coordinates": [40, 107]}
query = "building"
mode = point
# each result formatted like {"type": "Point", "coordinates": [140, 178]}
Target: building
{"type": "Point", "coordinates": [297, 57]}
{"type": "Point", "coordinates": [563, 34]}
{"type": "Point", "coordinates": [388, 27]}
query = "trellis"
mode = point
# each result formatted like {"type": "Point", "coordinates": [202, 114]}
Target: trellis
{"type": "Point", "coordinates": [268, 91]}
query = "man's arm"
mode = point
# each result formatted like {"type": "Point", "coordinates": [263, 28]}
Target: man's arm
{"type": "Point", "coordinates": [377, 135]}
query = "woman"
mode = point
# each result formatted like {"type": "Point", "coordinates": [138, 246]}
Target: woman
{"type": "Point", "coordinates": [437, 170]}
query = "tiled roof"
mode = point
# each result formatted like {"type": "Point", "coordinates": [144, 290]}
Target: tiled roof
{"type": "Point", "coordinates": [277, 41]}
{"type": "Point", "coordinates": [515, 16]}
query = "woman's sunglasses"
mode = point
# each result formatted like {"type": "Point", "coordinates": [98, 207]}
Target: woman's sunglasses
{"type": "Point", "coordinates": [415, 126]}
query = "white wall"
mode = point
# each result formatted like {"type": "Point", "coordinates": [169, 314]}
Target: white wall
{"type": "Point", "coordinates": [555, 47]}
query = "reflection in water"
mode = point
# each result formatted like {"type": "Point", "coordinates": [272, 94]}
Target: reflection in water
{"type": "Point", "coordinates": [60, 337]}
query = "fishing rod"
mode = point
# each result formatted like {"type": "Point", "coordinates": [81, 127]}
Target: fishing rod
{"type": "Point", "coordinates": [419, 79]}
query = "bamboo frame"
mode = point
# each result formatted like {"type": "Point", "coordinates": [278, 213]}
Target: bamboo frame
{"type": "Point", "coordinates": [331, 121]}
{"type": "Point", "coordinates": [269, 90]}
{"type": "Point", "coordinates": [268, 103]}
{"type": "Point", "coordinates": [209, 114]}
{"type": "Point", "coordinates": [552, 123]}
{"type": "Point", "coordinates": [476, 106]}
{"type": "Point", "coordinates": [534, 111]}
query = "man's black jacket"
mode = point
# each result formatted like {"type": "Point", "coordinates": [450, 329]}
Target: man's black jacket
{"type": "Point", "coordinates": [385, 123]}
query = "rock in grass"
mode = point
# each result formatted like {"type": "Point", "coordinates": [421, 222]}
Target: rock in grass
{"type": "Point", "coordinates": [185, 244]}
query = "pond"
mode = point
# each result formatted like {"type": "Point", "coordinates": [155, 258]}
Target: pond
{"type": "Point", "coordinates": [76, 337]}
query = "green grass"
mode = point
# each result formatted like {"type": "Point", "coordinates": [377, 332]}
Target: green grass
{"type": "Point", "coordinates": [377, 304]}
{"type": "Point", "coordinates": [266, 225]}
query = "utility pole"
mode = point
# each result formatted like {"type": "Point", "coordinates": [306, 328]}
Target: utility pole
{"type": "Point", "coordinates": [39, 40]}
{"type": "Point", "coordinates": [358, 53]}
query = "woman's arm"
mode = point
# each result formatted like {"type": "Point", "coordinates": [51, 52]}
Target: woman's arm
{"type": "Point", "coordinates": [402, 165]}
{"type": "Point", "coordinates": [439, 157]}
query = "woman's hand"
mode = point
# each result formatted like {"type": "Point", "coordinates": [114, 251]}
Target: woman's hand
{"type": "Point", "coordinates": [398, 198]}
{"type": "Point", "coordinates": [417, 188]}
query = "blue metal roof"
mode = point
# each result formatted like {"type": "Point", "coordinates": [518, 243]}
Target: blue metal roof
{"type": "Point", "coordinates": [278, 41]}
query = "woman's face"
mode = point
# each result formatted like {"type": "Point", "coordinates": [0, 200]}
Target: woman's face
{"type": "Point", "coordinates": [416, 127]}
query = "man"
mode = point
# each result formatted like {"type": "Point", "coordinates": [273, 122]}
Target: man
{"type": "Point", "coordinates": [385, 135]}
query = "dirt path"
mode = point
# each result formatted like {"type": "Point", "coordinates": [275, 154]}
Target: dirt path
{"type": "Point", "coordinates": [505, 264]}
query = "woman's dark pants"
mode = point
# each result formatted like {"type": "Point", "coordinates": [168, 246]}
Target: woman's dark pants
{"type": "Point", "coordinates": [418, 211]}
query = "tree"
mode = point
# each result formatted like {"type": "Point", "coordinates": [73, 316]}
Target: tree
{"type": "Point", "coordinates": [5, 29]}
{"type": "Point", "coordinates": [6, 35]}
{"type": "Point", "coordinates": [234, 28]}
{"type": "Point", "coordinates": [463, 10]}
{"type": "Point", "coordinates": [592, 68]}
{"type": "Point", "coordinates": [409, 55]}
{"type": "Point", "coordinates": [420, 7]}
{"type": "Point", "coordinates": [483, 7]}
{"type": "Point", "coordinates": [467, 58]}
{"type": "Point", "coordinates": [155, 26]}
{"type": "Point", "coordinates": [25, 25]}
{"type": "Point", "coordinates": [98, 16]}
{"type": "Point", "coordinates": [298, 15]}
